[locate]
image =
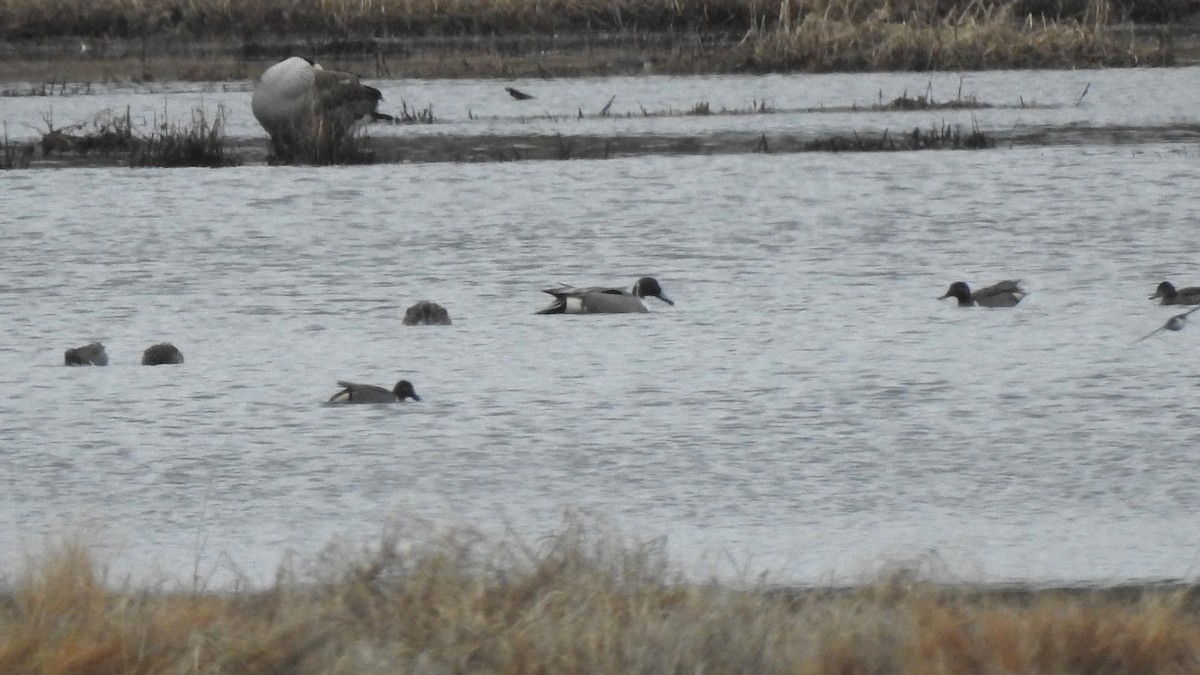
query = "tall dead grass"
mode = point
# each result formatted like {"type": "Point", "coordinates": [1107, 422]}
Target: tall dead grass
{"type": "Point", "coordinates": [914, 35]}
{"type": "Point", "coordinates": [255, 19]}
{"type": "Point", "coordinates": [581, 602]}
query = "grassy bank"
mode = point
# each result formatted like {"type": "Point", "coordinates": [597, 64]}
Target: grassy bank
{"type": "Point", "coordinates": [577, 603]}
{"type": "Point", "coordinates": [504, 38]}
{"type": "Point", "coordinates": [36, 19]}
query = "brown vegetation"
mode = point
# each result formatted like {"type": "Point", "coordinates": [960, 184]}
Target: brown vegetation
{"type": "Point", "coordinates": [114, 139]}
{"type": "Point", "coordinates": [577, 604]}
{"type": "Point", "coordinates": [472, 38]}
{"type": "Point", "coordinates": [25, 19]}
{"type": "Point", "coordinates": [979, 36]}
{"type": "Point", "coordinates": [16, 155]}
{"type": "Point", "coordinates": [201, 143]}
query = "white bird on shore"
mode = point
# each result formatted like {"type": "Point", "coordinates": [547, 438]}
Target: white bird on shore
{"type": "Point", "coordinates": [307, 110]}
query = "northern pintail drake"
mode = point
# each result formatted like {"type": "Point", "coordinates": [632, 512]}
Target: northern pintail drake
{"type": "Point", "coordinates": [1176, 322]}
{"type": "Point", "coordinates": [368, 393]}
{"type": "Point", "coordinates": [307, 110]}
{"type": "Point", "coordinates": [1177, 296]}
{"type": "Point", "coordinates": [426, 313]}
{"type": "Point", "coordinates": [1003, 294]}
{"type": "Point", "coordinates": [600, 300]}
{"type": "Point", "coordinates": [162, 354]}
{"type": "Point", "coordinates": [87, 355]}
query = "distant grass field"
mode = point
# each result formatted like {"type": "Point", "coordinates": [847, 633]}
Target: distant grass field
{"type": "Point", "coordinates": [506, 37]}
{"type": "Point", "coordinates": [581, 602]}
{"type": "Point", "coordinates": [24, 19]}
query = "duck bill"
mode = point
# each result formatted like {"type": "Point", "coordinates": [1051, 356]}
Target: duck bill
{"type": "Point", "coordinates": [664, 298]}
{"type": "Point", "coordinates": [943, 297]}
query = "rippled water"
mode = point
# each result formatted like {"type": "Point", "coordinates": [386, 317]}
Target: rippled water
{"type": "Point", "coordinates": [807, 408]}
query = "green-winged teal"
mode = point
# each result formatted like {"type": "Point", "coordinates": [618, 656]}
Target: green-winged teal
{"type": "Point", "coordinates": [1003, 294]}
{"type": "Point", "coordinates": [368, 393]}
{"type": "Point", "coordinates": [1177, 296]}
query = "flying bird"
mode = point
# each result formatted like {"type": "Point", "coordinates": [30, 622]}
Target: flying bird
{"type": "Point", "coordinates": [1176, 322]}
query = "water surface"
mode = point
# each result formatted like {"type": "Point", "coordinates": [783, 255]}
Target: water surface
{"type": "Point", "coordinates": [807, 409]}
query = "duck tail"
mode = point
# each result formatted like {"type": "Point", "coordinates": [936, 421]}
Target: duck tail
{"type": "Point", "coordinates": [559, 306]}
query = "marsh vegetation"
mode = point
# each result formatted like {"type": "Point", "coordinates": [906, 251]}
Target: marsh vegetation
{"type": "Point", "coordinates": [584, 600]}
{"type": "Point", "coordinates": [423, 38]}
{"type": "Point", "coordinates": [116, 138]}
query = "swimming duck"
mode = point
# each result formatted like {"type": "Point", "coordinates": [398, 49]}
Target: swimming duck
{"type": "Point", "coordinates": [162, 354]}
{"type": "Point", "coordinates": [600, 300]}
{"type": "Point", "coordinates": [1176, 322]}
{"type": "Point", "coordinates": [1003, 294]}
{"type": "Point", "coordinates": [369, 393]}
{"type": "Point", "coordinates": [1177, 296]}
{"type": "Point", "coordinates": [309, 110]}
{"type": "Point", "coordinates": [87, 355]}
{"type": "Point", "coordinates": [426, 313]}
{"type": "Point", "coordinates": [517, 94]}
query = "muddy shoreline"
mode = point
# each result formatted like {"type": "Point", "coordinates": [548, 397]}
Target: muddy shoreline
{"type": "Point", "coordinates": [424, 149]}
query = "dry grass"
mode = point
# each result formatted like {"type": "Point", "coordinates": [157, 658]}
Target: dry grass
{"type": "Point", "coordinates": [119, 138]}
{"type": "Point", "coordinates": [356, 19]}
{"type": "Point", "coordinates": [980, 36]}
{"type": "Point", "coordinates": [680, 35]}
{"type": "Point", "coordinates": [578, 603]}
{"type": "Point", "coordinates": [200, 143]}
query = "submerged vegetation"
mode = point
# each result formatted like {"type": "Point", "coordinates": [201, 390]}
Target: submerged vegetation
{"type": "Point", "coordinates": [579, 602]}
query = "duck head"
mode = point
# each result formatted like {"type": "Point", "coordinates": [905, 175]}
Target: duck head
{"type": "Point", "coordinates": [1165, 290]}
{"type": "Point", "coordinates": [960, 291]}
{"type": "Point", "coordinates": [648, 287]}
{"type": "Point", "coordinates": [404, 389]}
